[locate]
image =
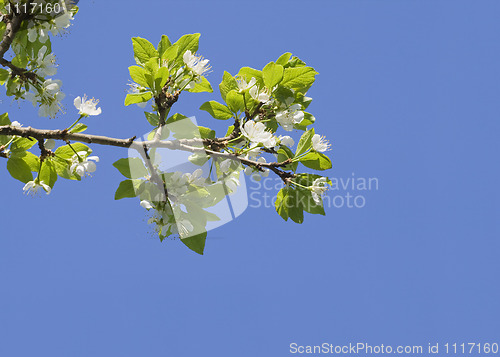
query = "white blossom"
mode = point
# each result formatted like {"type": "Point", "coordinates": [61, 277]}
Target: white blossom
{"type": "Point", "coordinates": [232, 182]}
{"type": "Point", "coordinates": [46, 63]}
{"type": "Point", "coordinates": [184, 227]}
{"type": "Point", "coordinates": [49, 97]}
{"type": "Point", "coordinates": [146, 205]}
{"type": "Point", "coordinates": [196, 178]}
{"type": "Point", "coordinates": [39, 32]}
{"type": "Point", "coordinates": [257, 133]}
{"type": "Point", "coordinates": [134, 88]}
{"type": "Point", "coordinates": [196, 63]}
{"type": "Point", "coordinates": [86, 106]}
{"type": "Point", "coordinates": [319, 143]}
{"type": "Point", "coordinates": [287, 141]}
{"type": "Point", "coordinates": [318, 188]}
{"type": "Point", "coordinates": [290, 116]}
{"type": "Point", "coordinates": [243, 85]}
{"type": "Point", "coordinates": [61, 22]}
{"type": "Point", "coordinates": [50, 144]}
{"type": "Point", "coordinates": [16, 124]}
{"type": "Point", "coordinates": [32, 187]}
{"type": "Point", "coordinates": [225, 165]}
{"type": "Point", "coordinates": [82, 165]}
{"type": "Point", "coordinates": [261, 96]}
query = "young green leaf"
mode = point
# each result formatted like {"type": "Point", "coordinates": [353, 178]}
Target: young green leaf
{"type": "Point", "coordinates": [281, 203]}
{"type": "Point", "coordinates": [196, 243]}
{"type": "Point", "coordinates": [295, 206]}
{"type": "Point", "coordinates": [298, 78]}
{"type": "Point", "coordinates": [132, 168]}
{"type": "Point", "coordinates": [137, 98]}
{"type": "Point", "coordinates": [128, 189]}
{"type": "Point", "coordinates": [203, 86]}
{"type": "Point", "coordinates": [48, 174]}
{"type": "Point", "coordinates": [4, 75]}
{"type": "Point", "coordinates": [19, 169]}
{"type": "Point", "coordinates": [152, 118]}
{"type": "Point", "coordinates": [305, 142]}
{"type": "Point", "coordinates": [273, 74]}
{"type": "Point", "coordinates": [206, 133]}
{"type": "Point", "coordinates": [78, 128]}
{"type": "Point", "coordinates": [228, 84]}
{"type": "Point", "coordinates": [284, 153]}
{"type": "Point", "coordinates": [185, 43]}
{"type": "Point", "coordinates": [317, 161]}
{"type": "Point", "coordinates": [138, 75]}
{"type": "Point", "coordinates": [143, 50]}
{"type": "Point", "coordinates": [234, 101]}
{"type": "Point", "coordinates": [161, 78]}
{"type": "Point", "coordinates": [163, 45]}
{"type": "Point", "coordinates": [284, 58]}
{"type": "Point", "coordinates": [247, 73]}
{"type": "Point", "coordinates": [217, 110]}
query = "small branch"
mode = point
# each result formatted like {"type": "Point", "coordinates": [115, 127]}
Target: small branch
{"type": "Point", "coordinates": [144, 146]}
{"type": "Point", "coordinates": [11, 29]}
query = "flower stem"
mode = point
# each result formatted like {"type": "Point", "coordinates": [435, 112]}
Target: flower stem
{"type": "Point", "coordinates": [71, 147]}
{"type": "Point", "coordinates": [76, 122]}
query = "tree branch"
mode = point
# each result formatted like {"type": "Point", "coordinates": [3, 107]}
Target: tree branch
{"type": "Point", "coordinates": [13, 22]}
{"type": "Point", "coordinates": [142, 146]}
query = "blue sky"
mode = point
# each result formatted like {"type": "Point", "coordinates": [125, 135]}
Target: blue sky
{"type": "Point", "coordinates": [407, 94]}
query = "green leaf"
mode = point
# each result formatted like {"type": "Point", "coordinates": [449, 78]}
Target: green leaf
{"type": "Point", "coordinates": [196, 243]}
{"type": "Point", "coordinates": [234, 101]}
{"type": "Point", "coordinates": [203, 86]}
{"type": "Point", "coordinates": [48, 173]}
{"type": "Point", "coordinates": [31, 159]}
{"type": "Point", "coordinates": [4, 119]}
{"type": "Point", "coordinates": [66, 153]}
{"type": "Point", "coordinates": [284, 58]}
{"type": "Point", "coordinates": [228, 84]}
{"type": "Point", "coordinates": [230, 129]}
{"type": "Point", "coordinates": [273, 74]}
{"type": "Point", "coordinates": [217, 110]}
{"type": "Point", "coordinates": [309, 204]}
{"type": "Point", "coordinates": [163, 45]}
{"type": "Point", "coordinates": [317, 161]}
{"type": "Point", "coordinates": [4, 75]}
{"type": "Point", "coordinates": [248, 73]}
{"type": "Point", "coordinates": [284, 153]}
{"type": "Point", "coordinates": [308, 120]}
{"type": "Point", "coordinates": [206, 133]}
{"type": "Point", "coordinates": [295, 62]}
{"type": "Point", "coordinates": [161, 78]}
{"type": "Point", "coordinates": [305, 142]}
{"type": "Point", "coordinates": [281, 203]}
{"type": "Point", "coordinates": [128, 189]}
{"type": "Point", "coordinates": [152, 118]}
{"type": "Point", "coordinates": [152, 66]}
{"type": "Point", "coordinates": [170, 54]}
{"type": "Point", "coordinates": [138, 75]}
{"type": "Point", "coordinates": [295, 207]}
{"type": "Point", "coordinates": [143, 50]}
{"type": "Point", "coordinates": [298, 78]}
{"type": "Point", "coordinates": [19, 169]}
{"type": "Point", "coordinates": [62, 167]}
{"type": "Point", "coordinates": [78, 128]}
{"type": "Point", "coordinates": [187, 42]}
{"type": "Point", "coordinates": [132, 168]}
{"type": "Point", "coordinates": [22, 144]}
{"type": "Point", "coordinates": [137, 98]}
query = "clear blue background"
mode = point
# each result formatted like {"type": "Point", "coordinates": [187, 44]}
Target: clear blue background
{"type": "Point", "coordinates": [408, 92]}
